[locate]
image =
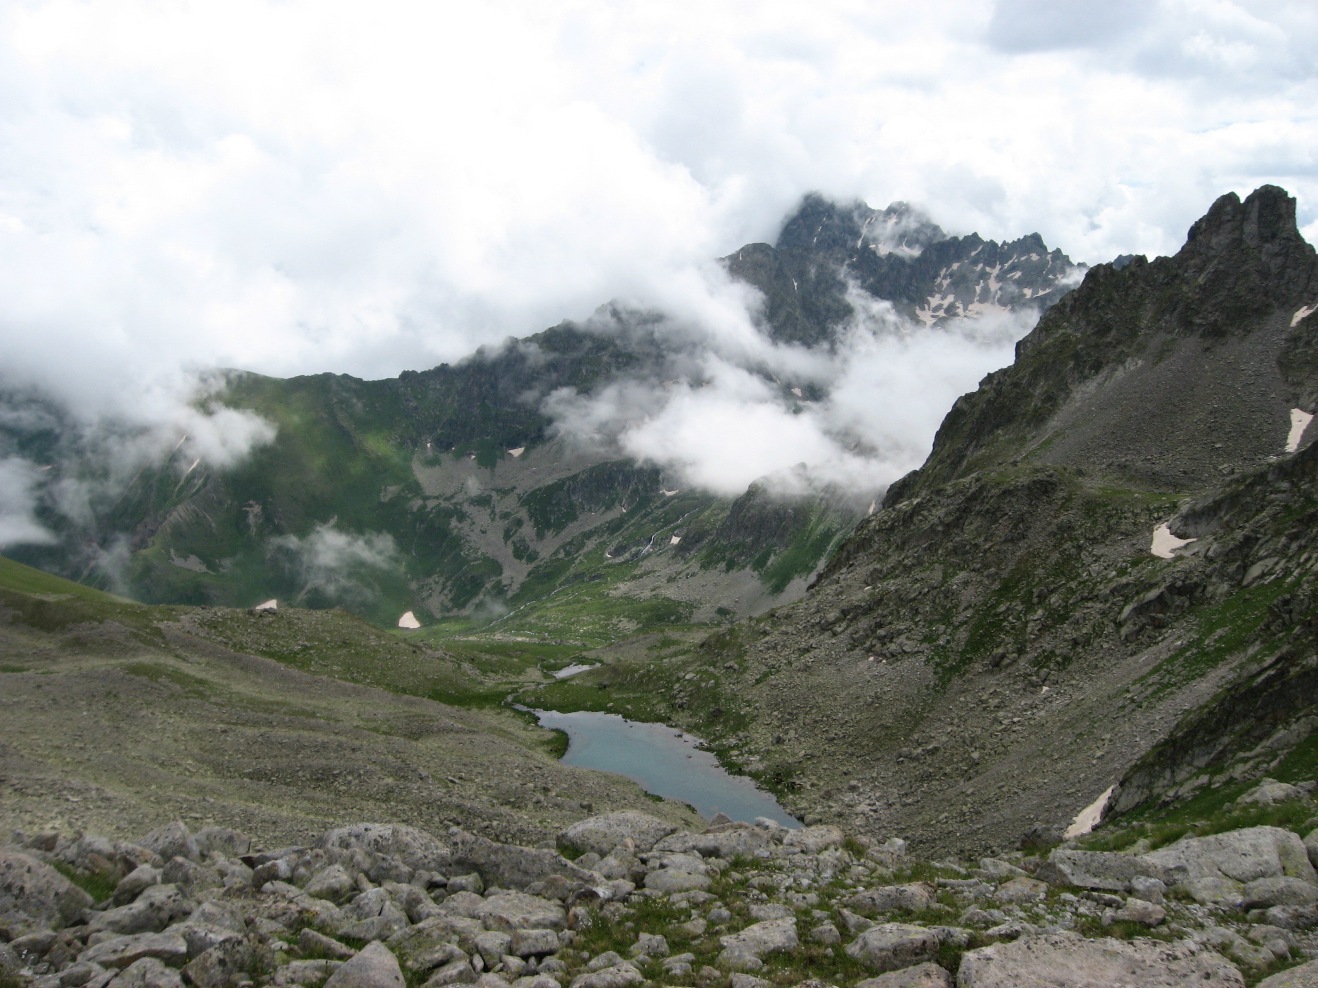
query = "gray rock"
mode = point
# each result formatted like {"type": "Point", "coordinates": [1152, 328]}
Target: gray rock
{"type": "Point", "coordinates": [511, 867]}
{"type": "Point", "coordinates": [890, 946]}
{"type": "Point", "coordinates": [305, 973]}
{"type": "Point", "coordinates": [492, 945]}
{"type": "Point", "coordinates": [812, 840]}
{"type": "Point", "coordinates": [737, 840]}
{"type": "Point", "coordinates": [223, 841]}
{"type": "Point", "coordinates": [1240, 855]}
{"type": "Point", "coordinates": [455, 972]}
{"type": "Point", "coordinates": [533, 943]}
{"type": "Point", "coordinates": [509, 911]}
{"type": "Point", "coordinates": [1269, 792]}
{"type": "Point", "coordinates": [739, 980]}
{"type": "Point", "coordinates": [374, 966]}
{"type": "Point", "coordinates": [172, 840]}
{"type": "Point", "coordinates": [122, 951]}
{"type": "Point", "coordinates": [153, 910]}
{"type": "Point", "coordinates": [671, 880]}
{"type": "Point", "coordinates": [1284, 891]}
{"type": "Point", "coordinates": [1065, 960]}
{"type": "Point", "coordinates": [997, 869]}
{"type": "Point", "coordinates": [310, 941]}
{"type": "Point", "coordinates": [636, 831]}
{"type": "Point", "coordinates": [767, 937]}
{"type": "Point", "coordinates": [135, 883]}
{"type": "Point", "coordinates": [414, 848]}
{"type": "Point", "coordinates": [825, 933]}
{"type": "Point", "coordinates": [1224, 893]}
{"type": "Point", "coordinates": [1098, 870]}
{"type": "Point", "coordinates": [35, 896]}
{"type": "Point", "coordinates": [913, 897]}
{"type": "Point", "coordinates": [537, 981]}
{"type": "Point", "coordinates": [1141, 911]}
{"type": "Point", "coordinates": [146, 973]}
{"type": "Point", "coordinates": [926, 975]}
{"type": "Point", "coordinates": [228, 963]}
{"type": "Point", "coordinates": [1304, 976]}
{"type": "Point", "coordinates": [617, 976]}
{"type": "Point", "coordinates": [1021, 890]}
{"type": "Point", "coordinates": [332, 883]}
{"type": "Point", "coordinates": [651, 945]}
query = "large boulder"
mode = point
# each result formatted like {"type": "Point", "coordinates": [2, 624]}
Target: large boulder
{"type": "Point", "coordinates": [1239, 855]}
{"type": "Point", "coordinates": [152, 911]}
{"type": "Point", "coordinates": [374, 966]}
{"type": "Point", "coordinates": [510, 866]}
{"type": "Point", "coordinates": [414, 848]}
{"type": "Point", "coordinates": [34, 896]}
{"type": "Point", "coordinates": [745, 949]}
{"type": "Point", "coordinates": [1304, 976]}
{"type": "Point", "coordinates": [890, 946]}
{"type": "Point", "coordinates": [1065, 960]}
{"type": "Point", "coordinates": [626, 828]}
{"type": "Point", "coordinates": [1101, 870]}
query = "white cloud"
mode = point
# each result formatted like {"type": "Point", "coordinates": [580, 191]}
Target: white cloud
{"type": "Point", "coordinates": [341, 565]}
{"type": "Point", "coordinates": [19, 480]}
{"type": "Point", "coordinates": [293, 187]}
{"type": "Point", "coordinates": [734, 418]}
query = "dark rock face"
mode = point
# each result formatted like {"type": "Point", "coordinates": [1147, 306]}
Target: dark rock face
{"type": "Point", "coordinates": [999, 645]}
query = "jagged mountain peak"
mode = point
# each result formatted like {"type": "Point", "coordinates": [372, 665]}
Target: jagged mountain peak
{"type": "Point", "coordinates": [821, 224]}
{"type": "Point", "coordinates": [1161, 373]}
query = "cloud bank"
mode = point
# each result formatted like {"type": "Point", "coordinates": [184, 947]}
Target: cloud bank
{"type": "Point", "coordinates": [295, 187]}
{"type": "Point", "coordinates": [736, 408]}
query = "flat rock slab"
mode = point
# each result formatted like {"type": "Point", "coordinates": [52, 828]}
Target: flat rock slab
{"type": "Point", "coordinates": [1064, 960]}
{"type": "Point", "coordinates": [637, 831]}
{"type": "Point", "coordinates": [509, 911]}
{"type": "Point", "coordinates": [913, 897]}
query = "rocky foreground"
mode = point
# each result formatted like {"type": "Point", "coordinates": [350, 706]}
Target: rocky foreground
{"type": "Point", "coordinates": [631, 900]}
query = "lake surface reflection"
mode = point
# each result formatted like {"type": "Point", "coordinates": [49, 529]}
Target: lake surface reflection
{"type": "Point", "coordinates": [664, 761]}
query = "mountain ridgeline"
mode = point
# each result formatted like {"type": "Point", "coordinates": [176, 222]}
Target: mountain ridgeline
{"type": "Point", "coordinates": [1102, 577]}
{"type": "Point", "coordinates": [452, 492]}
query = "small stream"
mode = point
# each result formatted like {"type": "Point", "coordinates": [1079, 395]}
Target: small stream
{"type": "Point", "coordinates": [664, 761]}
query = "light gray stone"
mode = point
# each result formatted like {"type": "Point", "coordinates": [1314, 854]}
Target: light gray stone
{"type": "Point", "coordinates": [651, 945]}
{"type": "Point", "coordinates": [533, 943]}
{"type": "Point", "coordinates": [618, 976]}
{"type": "Point", "coordinates": [913, 897]}
{"type": "Point", "coordinates": [455, 972]}
{"type": "Point", "coordinates": [1101, 870]}
{"type": "Point", "coordinates": [511, 867]}
{"type": "Point", "coordinates": [374, 966]}
{"type": "Point", "coordinates": [637, 832]}
{"type": "Point", "coordinates": [812, 840]}
{"type": "Point", "coordinates": [146, 973]}
{"type": "Point", "coordinates": [153, 910]}
{"type": "Point", "coordinates": [1021, 890]}
{"type": "Point", "coordinates": [671, 880]}
{"type": "Point", "coordinates": [767, 937]}
{"type": "Point", "coordinates": [414, 848]}
{"type": "Point", "coordinates": [1303, 976]}
{"type": "Point", "coordinates": [332, 883]}
{"type": "Point", "coordinates": [1283, 891]}
{"type": "Point", "coordinates": [1269, 792]}
{"type": "Point", "coordinates": [1064, 960]}
{"type": "Point", "coordinates": [926, 975]}
{"type": "Point", "coordinates": [135, 883]}
{"type": "Point", "coordinates": [1141, 911]}
{"type": "Point", "coordinates": [509, 911]}
{"type": "Point", "coordinates": [1240, 855]}
{"type": "Point", "coordinates": [890, 946]}
{"type": "Point", "coordinates": [34, 896]}
{"type": "Point", "coordinates": [122, 951]}
{"type": "Point", "coordinates": [172, 840]}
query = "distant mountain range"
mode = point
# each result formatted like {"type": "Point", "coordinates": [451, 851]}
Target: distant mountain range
{"type": "Point", "coordinates": [450, 492]}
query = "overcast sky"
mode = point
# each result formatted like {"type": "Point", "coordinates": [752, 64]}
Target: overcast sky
{"type": "Point", "coordinates": [298, 186]}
